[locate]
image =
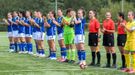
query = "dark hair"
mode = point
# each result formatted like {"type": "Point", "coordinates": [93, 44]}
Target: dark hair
{"type": "Point", "coordinates": [53, 12]}
{"type": "Point", "coordinates": [94, 11]}
{"type": "Point", "coordinates": [69, 10]}
{"type": "Point", "coordinates": [121, 14]}
{"type": "Point", "coordinates": [23, 13]}
{"type": "Point", "coordinates": [60, 9]}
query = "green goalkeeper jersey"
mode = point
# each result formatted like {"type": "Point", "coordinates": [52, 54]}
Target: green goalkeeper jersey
{"type": "Point", "coordinates": [67, 28]}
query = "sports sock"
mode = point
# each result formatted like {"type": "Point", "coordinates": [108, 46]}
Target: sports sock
{"type": "Point", "coordinates": [69, 54]}
{"type": "Point", "coordinates": [127, 57]}
{"type": "Point", "coordinates": [114, 58]}
{"type": "Point", "coordinates": [98, 57]}
{"type": "Point", "coordinates": [108, 56]}
{"type": "Point", "coordinates": [133, 59]}
{"type": "Point", "coordinates": [93, 57]}
{"type": "Point", "coordinates": [73, 54]}
{"type": "Point", "coordinates": [123, 60]}
{"type": "Point", "coordinates": [79, 55]}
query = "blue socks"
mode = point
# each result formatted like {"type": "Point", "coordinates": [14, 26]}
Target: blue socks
{"type": "Point", "coordinates": [15, 46]}
{"type": "Point", "coordinates": [53, 54]}
{"type": "Point", "coordinates": [41, 51]}
{"type": "Point", "coordinates": [81, 55]}
{"type": "Point", "coordinates": [29, 47]}
{"type": "Point", "coordinates": [20, 46]}
{"type": "Point", "coordinates": [63, 52]}
{"type": "Point", "coordinates": [23, 46]}
{"type": "Point", "coordinates": [11, 46]}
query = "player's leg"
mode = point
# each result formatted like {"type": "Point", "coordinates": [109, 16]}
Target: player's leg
{"type": "Point", "coordinates": [36, 44]}
{"type": "Point", "coordinates": [93, 43]}
{"type": "Point", "coordinates": [23, 42]}
{"type": "Point", "coordinates": [29, 46]}
{"type": "Point", "coordinates": [11, 41]}
{"type": "Point", "coordinates": [51, 43]}
{"type": "Point", "coordinates": [72, 47]}
{"type": "Point", "coordinates": [121, 49]}
{"type": "Point", "coordinates": [62, 47]}
{"type": "Point", "coordinates": [79, 40]}
{"type": "Point", "coordinates": [16, 40]}
{"type": "Point", "coordinates": [98, 55]}
{"type": "Point", "coordinates": [68, 51]}
{"type": "Point", "coordinates": [112, 49]}
{"type": "Point", "coordinates": [108, 56]}
{"type": "Point", "coordinates": [127, 61]}
{"type": "Point", "coordinates": [114, 57]}
{"type": "Point", "coordinates": [41, 44]}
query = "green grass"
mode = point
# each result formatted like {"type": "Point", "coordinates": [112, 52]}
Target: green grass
{"type": "Point", "coordinates": [23, 64]}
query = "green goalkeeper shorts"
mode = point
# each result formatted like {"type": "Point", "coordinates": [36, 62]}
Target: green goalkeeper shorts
{"type": "Point", "coordinates": [69, 38]}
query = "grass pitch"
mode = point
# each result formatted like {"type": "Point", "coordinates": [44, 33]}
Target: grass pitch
{"type": "Point", "coordinates": [24, 64]}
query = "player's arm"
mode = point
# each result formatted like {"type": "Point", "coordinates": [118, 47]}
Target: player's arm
{"type": "Point", "coordinates": [56, 23]}
{"type": "Point", "coordinates": [32, 22]}
{"type": "Point", "coordinates": [77, 21]}
{"type": "Point", "coordinates": [112, 29]}
{"type": "Point", "coordinates": [6, 21]}
{"type": "Point", "coordinates": [25, 24]}
{"type": "Point", "coordinates": [20, 22]}
{"type": "Point", "coordinates": [103, 29]}
{"type": "Point", "coordinates": [64, 22]}
{"type": "Point", "coordinates": [47, 25]}
{"type": "Point", "coordinates": [128, 29]}
{"type": "Point", "coordinates": [99, 35]}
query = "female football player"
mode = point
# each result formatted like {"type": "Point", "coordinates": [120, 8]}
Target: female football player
{"type": "Point", "coordinates": [21, 32]}
{"type": "Point", "coordinates": [60, 36]}
{"type": "Point", "coordinates": [15, 21]}
{"type": "Point", "coordinates": [28, 32]}
{"type": "Point", "coordinates": [69, 35]}
{"type": "Point", "coordinates": [50, 32]}
{"type": "Point", "coordinates": [9, 23]}
{"type": "Point", "coordinates": [79, 37]}
{"type": "Point", "coordinates": [129, 46]}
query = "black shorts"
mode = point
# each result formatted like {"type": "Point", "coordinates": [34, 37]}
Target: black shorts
{"type": "Point", "coordinates": [108, 40]}
{"type": "Point", "coordinates": [121, 39]}
{"type": "Point", "coordinates": [93, 39]}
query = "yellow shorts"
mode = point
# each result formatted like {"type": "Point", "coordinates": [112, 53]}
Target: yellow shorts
{"type": "Point", "coordinates": [130, 46]}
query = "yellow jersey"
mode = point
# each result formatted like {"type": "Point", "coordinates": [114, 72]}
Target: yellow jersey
{"type": "Point", "coordinates": [130, 35]}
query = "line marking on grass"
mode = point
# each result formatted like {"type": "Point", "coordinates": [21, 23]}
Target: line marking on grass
{"type": "Point", "coordinates": [39, 70]}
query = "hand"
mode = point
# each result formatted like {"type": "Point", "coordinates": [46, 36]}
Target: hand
{"type": "Point", "coordinates": [122, 24]}
{"type": "Point", "coordinates": [64, 21]}
{"type": "Point", "coordinates": [46, 24]}
{"type": "Point", "coordinates": [45, 19]}
{"type": "Point", "coordinates": [72, 23]}
{"type": "Point", "coordinates": [17, 21]}
{"type": "Point", "coordinates": [4, 19]}
{"type": "Point", "coordinates": [31, 20]}
{"type": "Point", "coordinates": [102, 30]}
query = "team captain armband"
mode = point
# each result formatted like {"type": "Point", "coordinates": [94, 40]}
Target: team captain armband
{"type": "Point", "coordinates": [133, 28]}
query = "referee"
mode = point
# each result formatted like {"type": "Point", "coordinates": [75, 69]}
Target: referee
{"type": "Point", "coordinates": [108, 40]}
{"type": "Point", "coordinates": [121, 38]}
{"type": "Point", "coordinates": [94, 29]}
